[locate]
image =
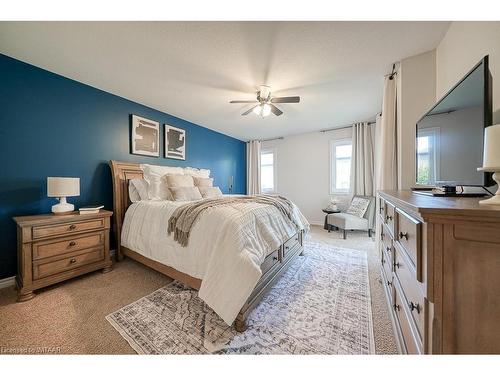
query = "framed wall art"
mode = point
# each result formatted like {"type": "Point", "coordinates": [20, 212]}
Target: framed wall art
{"type": "Point", "coordinates": [144, 136]}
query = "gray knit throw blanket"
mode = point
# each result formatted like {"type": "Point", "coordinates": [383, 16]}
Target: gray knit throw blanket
{"type": "Point", "coordinates": [184, 217]}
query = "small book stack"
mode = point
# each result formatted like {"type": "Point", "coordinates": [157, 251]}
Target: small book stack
{"type": "Point", "coordinates": [90, 210]}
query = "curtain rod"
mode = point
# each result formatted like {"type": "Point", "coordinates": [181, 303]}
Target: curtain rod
{"type": "Point", "coordinates": [268, 139]}
{"type": "Point", "coordinates": [343, 127]}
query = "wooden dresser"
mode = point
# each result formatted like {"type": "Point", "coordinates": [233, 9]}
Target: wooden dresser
{"type": "Point", "coordinates": [440, 264]}
{"type": "Point", "coordinates": [52, 248]}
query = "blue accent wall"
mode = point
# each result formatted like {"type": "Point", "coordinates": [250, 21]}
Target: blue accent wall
{"type": "Point", "coordinates": [54, 126]}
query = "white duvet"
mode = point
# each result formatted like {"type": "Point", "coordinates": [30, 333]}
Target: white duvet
{"type": "Point", "coordinates": [226, 247]}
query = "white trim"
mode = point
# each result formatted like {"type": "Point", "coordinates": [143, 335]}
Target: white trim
{"type": "Point", "coordinates": [7, 282]}
{"type": "Point", "coordinates": [274, 151]}
{"type": "Point", "coordinates": [11, 281]}
{"type": "Point", "coordinates": [334, 143]}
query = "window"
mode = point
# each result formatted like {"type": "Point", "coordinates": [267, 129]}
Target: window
{"type": "Point", "coordinates": [268, 171]}
{"type": "Point", "coordinates": [428, 156]}
{"type": "Point", "coordinates": [340, 166]}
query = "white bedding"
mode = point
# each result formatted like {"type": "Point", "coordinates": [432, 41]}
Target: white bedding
{"type": "Point", "coordinates": [226, 246]}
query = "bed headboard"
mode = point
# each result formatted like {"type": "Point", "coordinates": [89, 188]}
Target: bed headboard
{"type": "Point", "coordinates": [121, 173]}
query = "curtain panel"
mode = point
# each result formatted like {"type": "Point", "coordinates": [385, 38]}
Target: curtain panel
{"type": "Point", "coordinates": [253, 167]}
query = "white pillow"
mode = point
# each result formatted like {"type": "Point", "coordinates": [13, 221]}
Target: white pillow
{"type": "Point", "coordinates": [201, 181]}
{"type": "Point", "coordinates": [138, 189]}
{"type": "Point", "coordinates": [210, 191]}
{"type": "Point", "coordinates": [185, 193]}
{"type": "Point", "coordinates": [178, 180]}
{"type": "Point", "coordinates": [358, 206]}
{"type": "Point", "coordinates": [157, 188]}
{"type": "Point", "coordinates": [195, 172]}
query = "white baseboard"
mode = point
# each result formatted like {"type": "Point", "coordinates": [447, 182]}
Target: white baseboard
{"type": "Point", "coordinates": [11, 281]}
{"type": "Point", "coordinates": [7, 282]}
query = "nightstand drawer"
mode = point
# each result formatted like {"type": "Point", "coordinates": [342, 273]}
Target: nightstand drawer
{"type": "Point", "coordinates": [67, 228]}
{"type": "Point", "coordinates": [49, 248]}
{"type": "Point", "coordinates": [48, 267]}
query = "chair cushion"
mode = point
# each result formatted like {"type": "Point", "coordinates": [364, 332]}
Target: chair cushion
{"type": "Point", "coordinates": [358, 206]}
{"type": "Point", "coordinates": [344, 220]}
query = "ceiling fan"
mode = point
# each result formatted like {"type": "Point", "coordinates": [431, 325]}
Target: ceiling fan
{"type": "Point", "coordinates": [266, 102]}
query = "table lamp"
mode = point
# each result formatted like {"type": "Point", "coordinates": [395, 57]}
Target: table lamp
{"type": "Point", "coordinates": [491, 159]}
{"type": "Point", "coordinates": [60, 188]}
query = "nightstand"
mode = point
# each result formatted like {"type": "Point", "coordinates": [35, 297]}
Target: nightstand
{"type": "Point", "coordinates": [52, 248]}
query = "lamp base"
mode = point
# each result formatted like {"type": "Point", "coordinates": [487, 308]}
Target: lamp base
{"type": "Point", "coordinates": [63, 207]}
{"type": "Point", "coordinates": [496, 198]}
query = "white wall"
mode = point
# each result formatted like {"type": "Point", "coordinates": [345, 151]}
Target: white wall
{"type": "Point", "coordinates": [417, 94]}
{"type": "Point", "coordinates": [462, 47]}
{"type": "Point", "coordinates": [303, 170]}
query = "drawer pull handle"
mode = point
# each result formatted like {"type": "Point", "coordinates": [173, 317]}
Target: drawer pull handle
{"type": "Point", "coordinates": [389, 283]}
{"type": "Point", "coordinates": [388, 217]}
{"type": "Point", "coordinates": [72, 260]}
{"type": "Point", "coordinates": [274, 258]}
{"type": "Point", "coordinates": [397, 307]}
{"type": "Point", "coordinates": [287, 247]}
{"type": "Point", "coordinates": [397, 265]}
{"type": "Point", "coordinates": [382, 236]}
{"type": "Point", "coordinates": [388, 249]}
{"type": "Point", "coordinates": [414, 306]}
{"type": "Point", "coordinates": [72, 243]}
{"type": "Point", "coordinates": [72, 226]}
{"type": "Point", "coordinates": [403, 235]}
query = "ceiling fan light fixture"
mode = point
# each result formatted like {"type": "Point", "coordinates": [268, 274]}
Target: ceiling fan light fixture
{"type": "Point", "coordinates": [266, 110]}
{"type": "Point", "coordinates": [262, 110]}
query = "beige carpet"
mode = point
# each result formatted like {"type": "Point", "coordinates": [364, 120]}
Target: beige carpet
{"type": "Point", "coordinates": [69, 317]}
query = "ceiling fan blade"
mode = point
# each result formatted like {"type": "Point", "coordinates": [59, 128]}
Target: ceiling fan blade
{"type": "Point", "coordinates": [250, 110]}
{"type": "Point", "coordinates": [286, 99]}
{"type": "Point", "coordinates": [243, 101]}
{"type": "Point", "coordinates": [275, 110]}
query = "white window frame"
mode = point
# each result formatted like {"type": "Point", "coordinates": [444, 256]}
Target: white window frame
{"type": "Point", "coordinates": [275, 170]}
{"type": "Point", "coordinates": [333, 144]}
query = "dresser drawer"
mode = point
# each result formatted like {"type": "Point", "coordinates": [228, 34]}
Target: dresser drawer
{"type": "Point", "coordinates": [389, 218]}
{"type": "Point", "coordinates": [270, 261]}
{"type": "Point", "coordinates": [386, 262]}
{"type": "Point", "coordinates": [47, 267]}
{"type": "Point", "coordinates": [413, 294]}
{"type": "Point", "coordinates": [290, 245]}
{"type": "Point", "coordinates": [409, 236]}
{"type": "Point", "coordinates": [67, 228]}
{"type": "Point", "coordinates": [381, 208]}
{"type": "Point", "coordinates": [48, 248]}
{"type": "Point", "coordinates": [387, 281]}
{"type": "Point", "coordinates": [410, 336]}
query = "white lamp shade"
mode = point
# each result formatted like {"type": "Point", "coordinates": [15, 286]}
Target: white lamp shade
{"type": "Point", "coordinates": [491, 156]}
{"type": "Point", "coordinates": [63, 186]}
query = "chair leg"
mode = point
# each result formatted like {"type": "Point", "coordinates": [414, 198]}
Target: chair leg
{"type": "Point", "coordinates": [345, 234]}
{"type": "Point", "coordinates": [369, 232]}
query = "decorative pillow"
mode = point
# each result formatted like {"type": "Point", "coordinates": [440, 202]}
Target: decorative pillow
{"type": "Point", "coordinates": [200, 181]}
{"type": "Point", "coordinates": [178, 180]}
{"type": "Point", "coordinates": [195, 172]}
{"type": "Point", "coordinates": [210, 191]}
{"type": "Point", "coordinates": [138, 189]}
{"type": "Point", "coordinates": [185, 193]}
{"type": "Point", "coordinates": [358, 206]}
{"type": "Point", "coordinates": [157, 188]}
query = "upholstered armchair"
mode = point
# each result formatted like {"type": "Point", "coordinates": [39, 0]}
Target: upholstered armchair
{"type": "Point", "coordinates": [351, 220]}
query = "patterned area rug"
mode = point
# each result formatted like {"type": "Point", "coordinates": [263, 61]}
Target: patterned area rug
{"type": "Point", "coordinates": [320, 305]}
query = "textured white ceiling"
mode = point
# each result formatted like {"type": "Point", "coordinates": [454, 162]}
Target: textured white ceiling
{"type": "Point", "coordinates": [193, 69]}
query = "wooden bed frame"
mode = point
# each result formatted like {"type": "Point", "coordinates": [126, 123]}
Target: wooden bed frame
{"type": "Point", "coordinates": [272, 267]}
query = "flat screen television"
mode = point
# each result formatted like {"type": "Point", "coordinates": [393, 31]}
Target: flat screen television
{"type": "Point", "coordinates": [449, 138]}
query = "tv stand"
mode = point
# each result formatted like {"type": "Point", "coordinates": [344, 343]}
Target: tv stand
{"type": "Point", "coordinates": [446, 191]}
